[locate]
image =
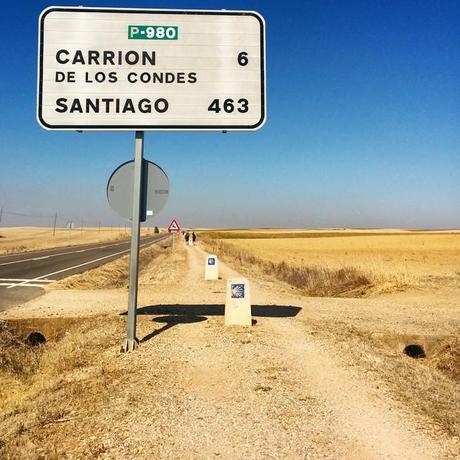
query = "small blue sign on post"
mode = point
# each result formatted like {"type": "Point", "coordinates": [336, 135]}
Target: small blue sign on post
{"type": "Point", "coordinates": [211, 269]}
{"type": "Point", "coordinates": [238, 303]}
{"type": "Point", "coordinates": [237, 291]}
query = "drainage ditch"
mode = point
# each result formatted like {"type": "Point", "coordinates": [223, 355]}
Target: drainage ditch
{"type": "Point", "coordinates": [38, 331]}
{"type": "Point", "coordinates": [416, 346]}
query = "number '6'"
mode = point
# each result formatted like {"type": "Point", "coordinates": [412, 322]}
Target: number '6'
{"type": "Point", "coordinates": [243, 58]}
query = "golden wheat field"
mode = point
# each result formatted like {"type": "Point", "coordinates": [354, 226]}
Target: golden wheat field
{"type": "Point", "coordinates": [433, 254]}
{"type": "Point", "coordinates": [20, 239]}
{"type": "Point", "coordinates": [383, 259]}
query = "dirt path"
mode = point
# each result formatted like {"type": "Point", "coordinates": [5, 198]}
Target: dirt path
{"type": "Point", "coordinates": [365, 422]}
{"type": "Point", "coordinates": [196, 389]}
{"type": "Point", "coordinates": [272, 391]}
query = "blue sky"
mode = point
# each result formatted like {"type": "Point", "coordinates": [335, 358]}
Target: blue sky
{"type": "Point", "coordinates": [362, 129]}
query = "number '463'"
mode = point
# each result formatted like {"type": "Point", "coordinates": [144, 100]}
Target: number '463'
{"type": "Point", "coordinates": [229, 105]}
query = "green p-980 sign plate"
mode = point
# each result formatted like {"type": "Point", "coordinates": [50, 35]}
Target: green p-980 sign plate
{"type": "Point", "coordinates": [153, 32]}
{"type": "Point", "coordinates": [141, 69]}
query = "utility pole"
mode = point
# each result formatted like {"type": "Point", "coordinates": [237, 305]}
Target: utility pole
{"type": "Point", "coordinates": [1, 213]}
{"type": "Point", "coordinates": [54, 226]}
{"type": "Point", "coordinates": [70, 226]}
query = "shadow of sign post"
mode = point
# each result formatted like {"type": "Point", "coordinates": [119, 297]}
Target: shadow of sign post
{"type": "Point", "coordinates": [262, 311]}
{"type": "Point", "coordinates": [175, 314]}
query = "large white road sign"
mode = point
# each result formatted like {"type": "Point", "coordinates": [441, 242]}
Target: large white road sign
{"type": "Point", "coordinates": [128, 69]}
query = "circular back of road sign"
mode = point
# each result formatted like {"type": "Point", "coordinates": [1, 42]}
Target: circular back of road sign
{"type": "Point", "coordinates": [154, 194]}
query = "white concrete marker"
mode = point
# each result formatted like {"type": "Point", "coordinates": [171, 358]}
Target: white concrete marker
{"type": "Point", "coordinates": [238, 303]}
{"type": "Point", "coordinates": [190, 241]}
{"type": "Point", "coordinates": [211, 269]}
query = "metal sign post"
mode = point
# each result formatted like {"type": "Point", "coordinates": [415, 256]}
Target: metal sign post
{"type": "Point", "coordinates": [174, 229]}
{"type": "Point", "coordinates": [131, 341]}
{"type": "Point", "coordinates": [136, 190]}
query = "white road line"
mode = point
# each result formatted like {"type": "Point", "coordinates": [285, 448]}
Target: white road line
{"type": "Point", "coordinates": [75, 266]}
{"type": "Point", "coordinates": [70, 268]}
{"type": "Point", "coordinates": [22, 279]}
{"type": "Point", "coordinates": [60, 254]}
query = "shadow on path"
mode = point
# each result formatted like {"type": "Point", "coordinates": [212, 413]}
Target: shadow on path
{"type": "Point", "coordinates": [263, 311]}
{"type": "Point", "coordinates": [171, 321]}
{"type": "Point", "coordinates": [185, 314]}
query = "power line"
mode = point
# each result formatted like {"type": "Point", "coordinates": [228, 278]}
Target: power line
{"type": "Point", "coordinates": [35, 216]}
{"type": "Point", "coordinates": [56, 219]}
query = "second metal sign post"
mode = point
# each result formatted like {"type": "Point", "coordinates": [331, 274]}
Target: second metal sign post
{"type": "Point", "coordinates": [131, 341]}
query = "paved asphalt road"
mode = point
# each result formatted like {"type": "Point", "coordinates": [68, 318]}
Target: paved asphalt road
{"type": "Point", "coordinates": [23, 276]}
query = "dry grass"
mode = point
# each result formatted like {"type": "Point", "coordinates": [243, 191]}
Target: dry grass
{"type": "Point", "coordinates": [16, 358]}
{"type": "Point", "coordinates": [346, 263]}
{"type": "Point", "coordinates": [447, 360]}
{"type": "Point", "coordinates": [54, 384]}
{"type": "Point", "coordinates": [319, 281]}
{"type": "Point", "coordinates": [429, 386]}
{"type": "Point", "coordinates": [21, 239]}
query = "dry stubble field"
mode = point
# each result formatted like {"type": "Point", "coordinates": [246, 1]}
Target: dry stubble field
{"type": "Point", "coordinates": [197, 390]}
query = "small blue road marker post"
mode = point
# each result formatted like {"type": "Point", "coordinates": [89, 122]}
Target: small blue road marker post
{"type": "Point", "coordinates": [238, 303]}
{"type": "Point", "coordinates": [211, 268]}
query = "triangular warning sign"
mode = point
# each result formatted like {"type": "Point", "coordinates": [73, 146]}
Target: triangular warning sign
{"type": "Point", "coordinates": [173, 227]}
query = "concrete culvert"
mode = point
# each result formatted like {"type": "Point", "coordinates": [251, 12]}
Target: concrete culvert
{"type": "Point", "coordinates": [35, 338]}
{"type": "Point", "coordinates": [415, 351]}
